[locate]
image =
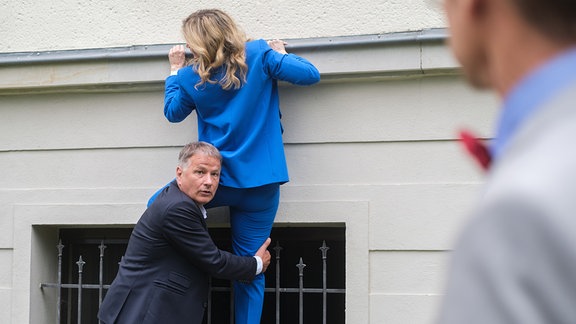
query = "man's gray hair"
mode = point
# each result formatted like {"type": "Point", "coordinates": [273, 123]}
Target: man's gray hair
{"type": "Point", "coordinates": [197, 148]}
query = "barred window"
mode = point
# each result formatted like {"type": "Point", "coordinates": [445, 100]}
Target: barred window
{"type": "Point", "coordinates": [309, 262]}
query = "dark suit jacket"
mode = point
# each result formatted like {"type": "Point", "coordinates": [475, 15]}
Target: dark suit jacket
{"type": "Point", "coordinates": [163, 276]}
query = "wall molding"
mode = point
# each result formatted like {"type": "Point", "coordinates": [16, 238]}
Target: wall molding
{"type": "Point", "coordinates": [160, 50]}
{"type": "Point", "coordinates": [144, 67]}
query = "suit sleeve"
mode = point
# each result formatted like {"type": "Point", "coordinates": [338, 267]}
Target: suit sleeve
{"type": "Point", "coordinates": [177, 104]}
{"type": "Point", "coordinates": [289, 67]}
{"type": "Point", "coordinates": [184, 229]}
{"type": "Point", "coordinates": [514, 263]}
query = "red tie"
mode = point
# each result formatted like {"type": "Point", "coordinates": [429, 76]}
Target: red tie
{"type": "Point", "coordinates": [476, 148]}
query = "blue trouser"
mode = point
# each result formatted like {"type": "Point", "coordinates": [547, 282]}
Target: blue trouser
{"type": "Point", "coordinates": [252, 213]}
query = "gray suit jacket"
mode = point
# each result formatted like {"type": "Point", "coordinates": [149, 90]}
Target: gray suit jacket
{"type": "Point", "coordinates": [515, 261]}
{"type": "Point", "coordinates": [163, 276]}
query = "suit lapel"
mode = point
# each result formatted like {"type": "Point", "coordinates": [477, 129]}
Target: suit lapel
{"type": "Point", "coordinates": [560, 108]}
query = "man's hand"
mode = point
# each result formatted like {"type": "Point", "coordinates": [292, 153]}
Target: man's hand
{"type": "Point", "coordinates": [264, 254]}
{"type": "Point", "coordinates": [177, 57]}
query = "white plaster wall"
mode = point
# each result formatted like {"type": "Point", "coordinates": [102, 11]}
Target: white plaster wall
{"type": "Point", "coordinates": [37, 25]}
{"type": "Point", "coordinates": [413, 195]}
{"type": "Point", "coordinates": [85, 143]}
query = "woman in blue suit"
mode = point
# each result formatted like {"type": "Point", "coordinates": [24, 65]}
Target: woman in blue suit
{"type": "Point", "coordinates": [231, 83]}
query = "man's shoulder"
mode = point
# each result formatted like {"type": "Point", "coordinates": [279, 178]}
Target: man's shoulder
{"type": "Point", "coordinates": [174, 198]}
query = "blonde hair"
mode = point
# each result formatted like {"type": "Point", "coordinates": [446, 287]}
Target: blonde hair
{"type": "Point", "coordinates": [216, 41]}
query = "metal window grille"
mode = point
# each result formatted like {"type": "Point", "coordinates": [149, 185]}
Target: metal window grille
{"type": "Point", "coordinates": [278, 292]}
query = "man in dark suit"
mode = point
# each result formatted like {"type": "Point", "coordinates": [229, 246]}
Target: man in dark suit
{"type": "Point", "coordinates": [515, 261]}
{"type": "Point", "coordinates": [163, 276]}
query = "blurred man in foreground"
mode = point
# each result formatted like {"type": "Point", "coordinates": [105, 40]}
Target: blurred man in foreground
{"type": "Point", "coordinates": [515, 261]}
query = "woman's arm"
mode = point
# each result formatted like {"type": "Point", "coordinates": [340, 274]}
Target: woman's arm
{"type": "Point", "coordinates": [176, 107]}
{"type": "Point", "coordinates": [289, 67]}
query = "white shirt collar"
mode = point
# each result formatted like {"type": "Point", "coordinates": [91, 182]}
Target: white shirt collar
{"type": "Point", "coordinates": [203, 210]}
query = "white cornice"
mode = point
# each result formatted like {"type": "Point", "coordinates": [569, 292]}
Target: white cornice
{"type": "Point", "coordinates": [144, 67]}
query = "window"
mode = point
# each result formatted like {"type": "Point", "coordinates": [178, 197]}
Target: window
{"type": "Point", "coordinates": [296, 243]}
{"type": "Point", "coordinates": [293, 243]}
{"type": "Point", "coordinates": [86, 243]}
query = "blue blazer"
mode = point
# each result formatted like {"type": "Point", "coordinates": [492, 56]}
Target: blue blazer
{"type": "Point", "coordinates": [163, 277]}
{"type": "Point", "coordinates": [243, 124]}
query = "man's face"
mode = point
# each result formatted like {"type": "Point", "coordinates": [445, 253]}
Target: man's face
{"type": "Point", "coordinates": [199, 180]}
{"type": "Point", "coordinates": [466, 40]}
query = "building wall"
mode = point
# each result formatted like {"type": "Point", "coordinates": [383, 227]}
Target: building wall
{"type": "Point", "coordinates": [37, 25]}
{"type": "Point", "coordinates": [83, 142]}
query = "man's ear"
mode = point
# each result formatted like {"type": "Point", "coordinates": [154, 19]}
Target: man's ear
{"type": "Point", "coordinates": [479, 8]}
{"type": "Point", "coordinates": [178, 173]}
{"type": "Point", "coordinates": [476, 13]}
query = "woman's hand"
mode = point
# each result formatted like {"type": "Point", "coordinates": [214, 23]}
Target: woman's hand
{"type": "Point", "coordinates": [278, 45]}
{"type": "Point", "coordinates": [177, 57]}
